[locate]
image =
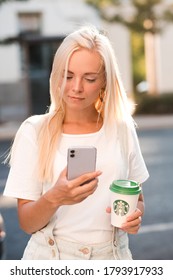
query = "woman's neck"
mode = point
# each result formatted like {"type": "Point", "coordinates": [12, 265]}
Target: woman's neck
{"type": "Point", "coordinates": [81, 124]}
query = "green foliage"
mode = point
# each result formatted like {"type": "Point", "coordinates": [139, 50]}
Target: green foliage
{"type": "Point", "coordinates": [101, 3]}
{"type": "Point", "coordinates": [138, 58]}
{"type": "Point", "coordinates": [145, 17]}
{"type": "Point", "coordinates": [154, 104]}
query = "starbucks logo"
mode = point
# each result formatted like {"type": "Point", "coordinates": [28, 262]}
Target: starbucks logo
{"type": "Point", "coordinates": [120, 207]}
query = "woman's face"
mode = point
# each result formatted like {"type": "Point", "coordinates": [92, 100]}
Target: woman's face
{"type": "Point", "coordinates": [85, 79]}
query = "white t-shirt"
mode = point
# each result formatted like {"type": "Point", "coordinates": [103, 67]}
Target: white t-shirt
{"type": "Point", "coordinates": [85, 222]}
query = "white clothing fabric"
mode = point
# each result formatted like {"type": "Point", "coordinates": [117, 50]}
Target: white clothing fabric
{"type": "Point", "coordinates": [43, 245]}
{"type": "Point", "coordinates": [86, 222]}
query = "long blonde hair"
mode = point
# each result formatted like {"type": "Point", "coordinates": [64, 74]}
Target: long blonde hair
{"type": "Point", "coordinates": [115, 106]}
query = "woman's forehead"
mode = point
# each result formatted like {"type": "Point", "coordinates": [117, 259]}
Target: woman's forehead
{"type": "Point", "coordinates": [90, 61]}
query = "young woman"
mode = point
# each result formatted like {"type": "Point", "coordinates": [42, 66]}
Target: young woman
{"type": "Point", "coordinates": [70, 219]}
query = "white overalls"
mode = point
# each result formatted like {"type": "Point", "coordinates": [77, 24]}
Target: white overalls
{"type": "Point", "coordinates": [43, 245]}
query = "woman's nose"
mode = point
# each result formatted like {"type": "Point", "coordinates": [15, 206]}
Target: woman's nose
{"type": "Point", "coordinates": [77, 85]}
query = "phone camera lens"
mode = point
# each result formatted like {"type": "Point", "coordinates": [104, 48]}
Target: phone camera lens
{"type": "Point", "coordinates": [72, 155]}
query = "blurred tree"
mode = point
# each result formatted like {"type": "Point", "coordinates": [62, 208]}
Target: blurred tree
{"type": "Point", "coordinates": [138, 59]}
{"type": "Point", "coordinates": [147, 17]}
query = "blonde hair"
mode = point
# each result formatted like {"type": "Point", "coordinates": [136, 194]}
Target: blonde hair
{"type": "Point", "coordinates": [114, 107]}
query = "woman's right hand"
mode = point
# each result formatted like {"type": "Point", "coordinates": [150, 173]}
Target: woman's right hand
{"type": "Point", "coordinates": [34, 215]}
{"type": "Point", "coordinates": [66, 192]}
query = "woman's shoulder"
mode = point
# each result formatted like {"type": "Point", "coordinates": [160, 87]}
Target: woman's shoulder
{"type": "Point", "coordinates": [34, 121]}
{"type": "Point", "coordinates": [126, 126]}
{"type": "Point", "coordinates": [30, 126]}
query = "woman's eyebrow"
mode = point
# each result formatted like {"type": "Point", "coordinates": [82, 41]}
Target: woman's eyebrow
{"type": "Point", "coordinates": [69, 72]}
{"type": "Point", "coordinates": [87, 73]}
{"type": "Point", "coordinates": [94, 73]}
{"type": "Point", "coordinates": [91, 73]}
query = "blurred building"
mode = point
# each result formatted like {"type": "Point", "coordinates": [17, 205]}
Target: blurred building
{"type": "Point", "coordinates": [31, 31]}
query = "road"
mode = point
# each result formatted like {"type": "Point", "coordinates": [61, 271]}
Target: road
{"type": "Point", "coordinates": [155, 239]}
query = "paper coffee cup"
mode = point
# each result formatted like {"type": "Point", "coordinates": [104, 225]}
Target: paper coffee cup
{"type": "Point", "coordinates": [124, 198]}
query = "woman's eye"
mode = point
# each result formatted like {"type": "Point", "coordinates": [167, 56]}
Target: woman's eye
{"type": "Point", "coordinates": [69, 77]}
{"type": "Point", "coordinates": [91, 80]}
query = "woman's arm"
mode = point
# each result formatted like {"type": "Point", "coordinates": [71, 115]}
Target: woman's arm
{"type": "Point", "coordinates": [34, 215]}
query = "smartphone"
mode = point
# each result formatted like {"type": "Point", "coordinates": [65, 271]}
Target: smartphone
{"type": "Point", "coordinates": [80, 160]}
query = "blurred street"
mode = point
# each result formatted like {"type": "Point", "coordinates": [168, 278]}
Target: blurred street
{"type": "Point", "coordinates": [155, 238]}
{"type": "Point", "coordinates": [154, 241]}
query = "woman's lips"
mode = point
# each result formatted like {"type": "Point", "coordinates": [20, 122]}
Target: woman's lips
{"type": "Point", "coordinates": [76, 98]}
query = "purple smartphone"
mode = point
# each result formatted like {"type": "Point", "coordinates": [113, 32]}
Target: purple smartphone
{"type": "Point", "coordinates": [80, 160]}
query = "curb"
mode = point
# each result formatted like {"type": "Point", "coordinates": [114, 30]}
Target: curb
{"type": "Point", "coordinates": [154, 121]}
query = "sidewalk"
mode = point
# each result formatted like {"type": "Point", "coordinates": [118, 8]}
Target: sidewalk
{"type": "Point", "coordinates": [8, 130]}
{"type": "Point", "coordinates": [154, 121]}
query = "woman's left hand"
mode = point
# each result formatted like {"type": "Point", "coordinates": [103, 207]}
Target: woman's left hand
{"type": "Point", "coordinates": [133, 222]}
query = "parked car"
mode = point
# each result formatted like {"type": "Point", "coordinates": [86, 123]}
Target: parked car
{"type": "Point", "coordinates": [2, 238]}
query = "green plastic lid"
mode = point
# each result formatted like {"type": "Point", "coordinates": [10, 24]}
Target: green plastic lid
{"type": "Point", "coordinates": [125, 187]}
